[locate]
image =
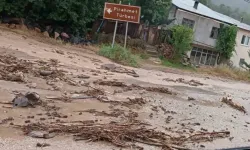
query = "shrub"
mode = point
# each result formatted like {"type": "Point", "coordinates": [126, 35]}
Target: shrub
{"type": "Point", "coordinates": [182, 37]}
{"type": "Point", "coordinates": [119, 54]}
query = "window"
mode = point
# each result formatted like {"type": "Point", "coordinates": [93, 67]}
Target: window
{"type": "Point", "coordinates": [245, 40]}
{"type": "Point", "coordinates": [242, 62]}
{"type": "Point", "coordinates": [187, 22]}
{"type": "Point", "coordinates": [201, 56]}
{"type": "Point", "coordinates": [214, 33]}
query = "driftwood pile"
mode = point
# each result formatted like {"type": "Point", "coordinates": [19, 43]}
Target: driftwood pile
{"type": "Point", "coordinates": [230, 102]}
{"type": "Point", "coordinates": [134, 87]}
{"type": "Point", "coordinates": [124, 134]}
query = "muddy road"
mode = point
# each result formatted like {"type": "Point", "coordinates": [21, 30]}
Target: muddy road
{"type": "Point", "coordinates": [84, 97]}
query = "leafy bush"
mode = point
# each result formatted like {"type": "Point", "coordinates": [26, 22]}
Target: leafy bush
{"type": "Point", "coordinates": [226, 41]}
{"type": "Point", "coordinates": [182, 37]}
{"type": "Point", "coordinates": [119, 54]}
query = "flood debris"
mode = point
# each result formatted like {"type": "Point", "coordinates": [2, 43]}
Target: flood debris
{"type": "Point", "coordinates": [181, 80]}
{"type": "Point", "coordinates": [14, 69]}
{"type": "Point", "coordinates": [208, 136]}
{"type": "Point", "coordinates": [114, 113]}
{"type": "Point", "coordinates": [4, 121]}
{"type": "Point", "coordinates": [229, 101]}
{"type": "Point", "coordinates": [42, 145]}
{"type": "Point", "coordinates": [134, 87]}
{"type": "Point", "coordinates": [121, 134]}
{"type": "Point", "coordinates": [110, 83]}
{"type": "Point", "coordinates": [119, 69]}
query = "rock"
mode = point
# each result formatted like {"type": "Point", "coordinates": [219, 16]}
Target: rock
{"type": "Point", "coordinates": [42, 119]}
{"type": "Point", "coordinates": [134, 75]}
{"type": "Point", "coordinates": [32, 85]}
{"type": "Point", "coordinates": [33, 98]}
{"type": "Point", "coordinates": [37, 30]}
{"type": "Point", "coordinates": [42, 145]}
{"type": "Point", "coordinates": [202, 146]}
{"type": "Point", "coordinates": [20, 101]}
{"type": "Point", "coordinates": [108, 67]}
{"type": "Point", "coordinates": [197, 124]}
{"type": "Point", "coordinates": [65, 35]}
{"type": "Point", "coordinates": [12, 26]}
{"type": "Point", "coordinates": [46, 34]}
{"type": "Point", "coordinates": [41, 134]}
{"type": "Point", "coordinates": [45, 72]}
{"type": "Point", "coordinates": [82, 76]}
{"type": "Point", "coordinates": [24, 27]}
{"type": "Point", "coordinates": [191, 98]}
{"type": "Point", "coordinates": [27, 121]}
{"type": "Point", "coordinates": [59, 52]}
{"type": "Point", "coordinates": [56, 35]}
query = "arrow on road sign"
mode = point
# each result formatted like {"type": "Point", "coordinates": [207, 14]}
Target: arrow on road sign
{"type": "Point", "coordinates": [109, 11]}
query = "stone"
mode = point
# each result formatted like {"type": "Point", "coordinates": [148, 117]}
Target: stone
{"type": "Point", "coordinates": [41, 134]}
{"type": "Point", "coordinates": [42, 145]}
{"type": "Point", "coordinates": [191, 98]}
{"type": "Point", "coordinates": [65, 35]}
{"type": "Point", "coordinates": [46, 34]}
{"type": "Point", "coordinates": [12, 26]}
{"type": "Point", "coordinates": [20, 101]}
{"type": "Point", "coordinates": [57, 35]}
{"type": "Point", "coordinates": [60, 52]}
{"type": "Point", "coordinates": [45, 72]}
{"type": "Point", "coordinates": [32, 85]}
{"type": "Point", "coordinates": [37, 30]}
{"type": "Point", "coordinates": [82, 76]}
{"type": "Point", "coordinates": [37, 134]}
{"type": "Point", "coordinates": [24, 27]}
{"type": "Point", "coordinates": [33, 97]}
{"type": "Point", "coordinates": [27, 121]}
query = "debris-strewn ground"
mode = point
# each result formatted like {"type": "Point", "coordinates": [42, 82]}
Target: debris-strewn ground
{"type": "Point", "coordinates": [84, 101]}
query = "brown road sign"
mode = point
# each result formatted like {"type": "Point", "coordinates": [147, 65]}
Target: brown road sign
{"type": "Point", "coordinates": [120, 12]}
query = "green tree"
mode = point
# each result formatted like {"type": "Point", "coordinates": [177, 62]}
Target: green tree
{"type": "Point", "coordinates": [181, 40]}
{"type": "Point", "coordinates": [226, 41]}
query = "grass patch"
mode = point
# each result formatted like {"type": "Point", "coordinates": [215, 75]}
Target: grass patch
{"type": "Point", "coordinates": [178, 65]}
{"type": "Point", "coordinates": [120, 55]}
{"type": "Point", "coordinates": [225, 71]}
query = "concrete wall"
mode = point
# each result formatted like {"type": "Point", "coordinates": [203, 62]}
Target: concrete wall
{"type": "Point", "coordinates": [202, 28]}
{"type": "Point", "coordinates": [241, 51]}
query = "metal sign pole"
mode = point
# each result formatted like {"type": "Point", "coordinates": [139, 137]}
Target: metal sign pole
{"type": "Point", "coordinates": [116, 24]}
{"type": "Point", "coordinates": [126, 35]}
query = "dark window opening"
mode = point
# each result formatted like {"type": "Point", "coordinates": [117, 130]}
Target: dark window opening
{"type": "Point", "coordinates": [214, 33]}
{"type": "Point", "coordinates": [189, 23]}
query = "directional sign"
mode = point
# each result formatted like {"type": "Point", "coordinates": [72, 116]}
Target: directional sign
{"type": "Point", "coordinates": [120, 12]}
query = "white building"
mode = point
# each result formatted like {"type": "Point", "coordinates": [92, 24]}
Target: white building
{"type": "Point", "coordinates": [205, 22]}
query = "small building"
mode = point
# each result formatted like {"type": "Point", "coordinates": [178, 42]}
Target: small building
{"type": "Point", "coordinates": [206, 23]}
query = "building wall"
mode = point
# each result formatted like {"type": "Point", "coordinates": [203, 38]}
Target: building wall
{"type": "Point", "coordinates": [202, 28]}
{"type": "Point", "coordinates": [241, 51]}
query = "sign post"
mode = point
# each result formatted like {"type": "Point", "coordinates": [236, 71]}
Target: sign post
{"type": "Point", "coordinates": [121, 12]}
{"type": "Point", "coordinates": [126, 35]}
{"type": "Point", "coordinates": [116, 24]}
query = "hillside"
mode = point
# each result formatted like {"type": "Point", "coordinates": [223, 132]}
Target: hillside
{"type": "Point", "coordinates": [241, 4]}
